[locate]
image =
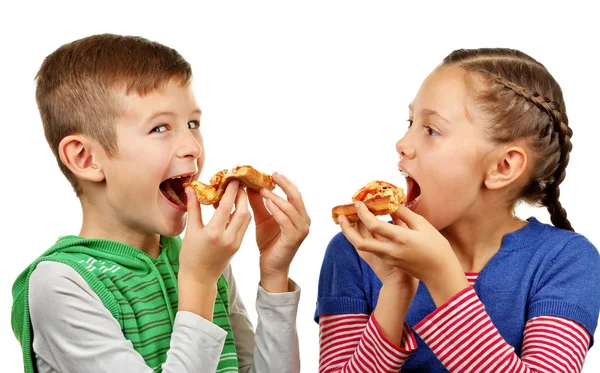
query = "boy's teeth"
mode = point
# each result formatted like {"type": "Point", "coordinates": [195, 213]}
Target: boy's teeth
{"type": "Point", "coordinates": [403, 173]}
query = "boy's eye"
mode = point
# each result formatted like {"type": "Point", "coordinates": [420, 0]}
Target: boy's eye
{"type": "Point", "coordinates": [193, 124]}
{"type": "Point", "coordinates": [410, 122]}
{"type": "Point", "coordinates": [431, 131]}
{"type": "Point", "coordinates": [161, 128]}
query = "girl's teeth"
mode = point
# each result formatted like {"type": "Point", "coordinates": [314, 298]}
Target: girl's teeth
{"type": "Point", "coordinates": [403, 173]}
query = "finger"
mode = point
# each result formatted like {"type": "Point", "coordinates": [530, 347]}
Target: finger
{"type": "Point", "coordinates": [361, 243]}
{"type": "Point", "coordinates": [382, 249]}
{"type": "Point", "coordinates": [363, 230]}
{"type": "Point", "coordinates": [399, 222]}
{"type": "Point", "coordinates": [409, 217]}
{"type": "Point", "coordinates": [240, 215]}
{"type": "Point", "coordinates": [242, 232]}
{"type": "Point", "coordinates": [376, 226]}
{"type": "Point", "coordinates": [258, 206]}
{"type": "Point", "coordinates": [293, 194]}
{"type": "Point", "coordinates": [193, 207]}
{"type": "Point", "coordinates": [223, 212]}
{"type": "Point", "coordinates": [280, 217]}
{"type": "Point", "coordinates": [286, 208]}
{"type": "Point", "coordinates": [351, 232]}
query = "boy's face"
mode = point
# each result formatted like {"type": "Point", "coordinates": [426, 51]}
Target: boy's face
{"type": "Point", "coordinates": [158, 138]}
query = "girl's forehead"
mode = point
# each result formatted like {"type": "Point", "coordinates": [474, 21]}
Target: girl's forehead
{"type": "Point", "coordinates": [446, 92]}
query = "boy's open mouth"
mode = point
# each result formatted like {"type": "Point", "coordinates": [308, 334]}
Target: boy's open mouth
{"type": "Point", "coordinates": [174, 190]}
{"type": "Point", "coordinates": [413, 192]}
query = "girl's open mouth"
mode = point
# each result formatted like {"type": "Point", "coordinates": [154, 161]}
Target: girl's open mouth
{"type": "Point", "coordinates": [413, 193]}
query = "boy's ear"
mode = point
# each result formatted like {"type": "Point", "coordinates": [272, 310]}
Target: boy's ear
{"type": "Point", "coordinates": [80, 155]}
{"type": "Point", "coordinates": [507, 168]}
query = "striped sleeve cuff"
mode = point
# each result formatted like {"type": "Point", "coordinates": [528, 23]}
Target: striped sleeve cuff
{"type": "Point", "coordinates": [461, 334]}
{"type": "Point", "coordinates": [392, 356]}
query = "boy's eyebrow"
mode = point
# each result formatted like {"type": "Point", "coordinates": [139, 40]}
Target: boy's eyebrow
{"type": "Point", "coordinates": [429, 112]}
{"type": "Point", "coordinates": [161, 113]}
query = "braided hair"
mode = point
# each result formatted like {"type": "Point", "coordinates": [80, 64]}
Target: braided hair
{"type": "Point", "coordinates": [521, 100]}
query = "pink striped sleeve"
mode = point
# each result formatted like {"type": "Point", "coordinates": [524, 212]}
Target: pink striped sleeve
{"type": "Point", "coordinates": [462, 336]}
{"type": "Point", "coordinates": [555, 344]}
{"type": "Point", "coordinates": [355, 343]}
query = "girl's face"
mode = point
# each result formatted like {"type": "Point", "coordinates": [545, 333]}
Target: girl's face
{"type": "Point", "coordinates": [444, 150]}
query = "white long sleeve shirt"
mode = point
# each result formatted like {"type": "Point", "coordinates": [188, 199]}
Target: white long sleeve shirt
{"type": "Point", "coordinates": [73, 332]}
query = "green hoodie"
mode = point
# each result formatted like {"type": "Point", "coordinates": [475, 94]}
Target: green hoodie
{"type": "Point", "coordinates": [138, 290]}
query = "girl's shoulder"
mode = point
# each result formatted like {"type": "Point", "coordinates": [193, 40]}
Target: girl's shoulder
{"type": "Point", "coordinates": [546, 240]}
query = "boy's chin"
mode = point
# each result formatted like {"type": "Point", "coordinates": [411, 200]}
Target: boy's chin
{"type": "Point", "coordinates": [174, 229]}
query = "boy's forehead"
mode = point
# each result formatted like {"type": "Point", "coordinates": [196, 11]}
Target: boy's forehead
{"type": "Point", "coordinates": [172, 98]}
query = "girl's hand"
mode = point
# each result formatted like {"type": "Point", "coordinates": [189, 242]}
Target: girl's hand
{"type": "Point", "coordinates": [281, 226]}
{"type": "Point", "coordinates": [413, 246]}
{"type": "Point", "coordinates": [389, 274]}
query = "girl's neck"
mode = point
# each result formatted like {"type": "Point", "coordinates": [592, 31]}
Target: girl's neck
{"type": "Point", "coordinates": [475, 240]}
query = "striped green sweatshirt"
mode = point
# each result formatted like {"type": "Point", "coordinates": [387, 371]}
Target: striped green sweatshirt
{"type": "Point", "coordinates": [139, 291]}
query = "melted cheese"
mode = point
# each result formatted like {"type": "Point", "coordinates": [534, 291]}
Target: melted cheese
{"type": "Point", "coordinates": [381, 189]}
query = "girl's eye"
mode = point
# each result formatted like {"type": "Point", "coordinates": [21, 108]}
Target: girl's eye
{"type": "Point", "coordinates": [193, 124]}
{"type": "Point", "coordinates": [431, 131]}
{"type": "Point", "coordinates": [161, 128]}
{"type": "Point", "coordinates": [410, 122]}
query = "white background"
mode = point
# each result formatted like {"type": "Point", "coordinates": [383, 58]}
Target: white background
{"type": "Point", "coordinates": [315, 90]}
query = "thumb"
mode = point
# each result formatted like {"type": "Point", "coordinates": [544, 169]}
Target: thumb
{"type": "Point", "coordinates": [405, 216]}
{"type": "Point", "coordinates": [193, 207]}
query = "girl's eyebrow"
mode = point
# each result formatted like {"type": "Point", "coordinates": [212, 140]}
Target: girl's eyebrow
{"type": "Point", "coordinates": [429, 112]}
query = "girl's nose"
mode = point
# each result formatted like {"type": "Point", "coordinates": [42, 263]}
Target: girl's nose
{"type": "Point", "coordinates": [404, 149]}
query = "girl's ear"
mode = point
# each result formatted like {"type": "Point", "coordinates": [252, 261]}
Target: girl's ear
{"type": "Point", "coordinates": [81, 156]}
{"type": "Point", "coordinates": [509, 166]}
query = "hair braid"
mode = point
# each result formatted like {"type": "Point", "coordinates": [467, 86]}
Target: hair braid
{"type": "Point", "coordinates": [560, 127]}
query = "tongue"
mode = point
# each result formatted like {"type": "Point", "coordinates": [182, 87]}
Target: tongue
{"type": "Point", "coordinates": [171, 194]}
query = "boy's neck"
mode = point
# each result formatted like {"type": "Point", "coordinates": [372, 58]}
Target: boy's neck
{"type": "Point", "coordinates": [96, 224]}
{"type": "Point", "coordinates": [477, 239]}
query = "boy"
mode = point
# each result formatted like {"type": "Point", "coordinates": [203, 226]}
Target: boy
{"type": "Point", "coordinates": [127, 294]}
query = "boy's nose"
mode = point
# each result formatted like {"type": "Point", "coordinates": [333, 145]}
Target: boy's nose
{"type": "Point", "coordinates": [189, 147]}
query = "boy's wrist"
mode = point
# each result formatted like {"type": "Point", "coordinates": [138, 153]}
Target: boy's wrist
{"type": "Point", "coordinates": [274, 283]}
{"type": "Point", "coordinates": [197, 297]}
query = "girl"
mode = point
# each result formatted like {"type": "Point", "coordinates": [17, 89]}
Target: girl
{"type": "Point", "coordinates": [458, 283]}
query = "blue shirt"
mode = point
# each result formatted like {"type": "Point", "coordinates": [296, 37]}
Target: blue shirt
{"type": "Point", "coordinates": [539, 270]}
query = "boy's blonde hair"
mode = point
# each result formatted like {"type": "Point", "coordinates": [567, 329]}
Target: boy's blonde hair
{"type": "Point", "coordinates": [520, 99]}
{"type": "Point", "coordinates": [79, 86]}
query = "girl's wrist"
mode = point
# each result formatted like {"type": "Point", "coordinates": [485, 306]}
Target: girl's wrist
{"type": "Point", "coordinates": [446, 284]}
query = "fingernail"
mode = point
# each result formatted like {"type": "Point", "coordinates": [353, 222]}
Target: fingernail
{"type": "Point", "coordinates": [339, 219]}
{"type": "Point", "coordinates": [356, 204]}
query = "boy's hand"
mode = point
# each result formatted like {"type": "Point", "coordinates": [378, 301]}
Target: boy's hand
{"type": "Point", "coordinates": [207, 249]}
{"type": "Point", "coordinates": [281, 226]}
